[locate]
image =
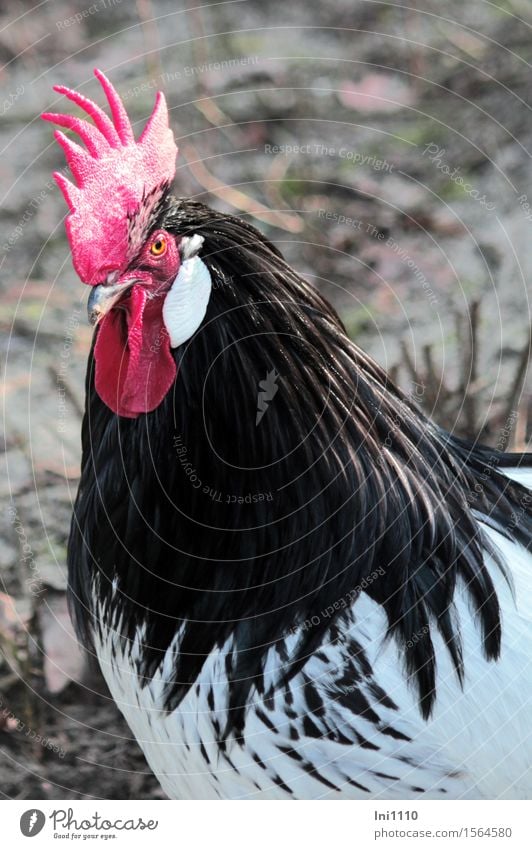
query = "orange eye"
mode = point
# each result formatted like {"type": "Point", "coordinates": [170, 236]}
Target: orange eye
{"type": "Point", "coordinates": [158, 247]}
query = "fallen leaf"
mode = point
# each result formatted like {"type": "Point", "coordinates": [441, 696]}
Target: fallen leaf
{"type": "Point", "coordinates": [63, 659]}
{"type": "Point", "coordinates": [376, 93]}
{"type": "Point", "coordinates": [14, 618]}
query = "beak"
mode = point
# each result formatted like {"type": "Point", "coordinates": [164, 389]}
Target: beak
{"type": "Point", "coordinates": [103, 298]}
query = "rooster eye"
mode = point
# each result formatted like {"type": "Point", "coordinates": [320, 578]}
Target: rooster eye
{"type": "Point", "coordinates": [158, 247]}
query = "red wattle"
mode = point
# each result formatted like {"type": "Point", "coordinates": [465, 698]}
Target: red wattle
{"type": "Point", "coordinates": [134, 365]}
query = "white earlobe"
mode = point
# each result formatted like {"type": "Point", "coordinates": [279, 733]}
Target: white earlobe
{"type": "Point", "coordinates": [186, 303]}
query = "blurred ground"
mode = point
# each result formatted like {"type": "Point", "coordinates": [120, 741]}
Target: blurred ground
{"type": "Point", "coordinates": [392, 148]}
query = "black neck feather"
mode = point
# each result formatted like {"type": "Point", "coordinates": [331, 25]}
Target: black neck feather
{"type": "Point", "coordinates": [229, 529]}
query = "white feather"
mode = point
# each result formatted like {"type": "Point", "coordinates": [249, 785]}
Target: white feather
{"type": "Point", "coordinates": [521, 474]}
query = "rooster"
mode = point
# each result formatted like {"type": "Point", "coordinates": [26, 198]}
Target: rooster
{"type": "Point", "coordinates": [296, 584]}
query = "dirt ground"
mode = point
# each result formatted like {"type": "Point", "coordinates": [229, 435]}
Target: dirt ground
{"type": "Point", "coordinates": [385, 149]}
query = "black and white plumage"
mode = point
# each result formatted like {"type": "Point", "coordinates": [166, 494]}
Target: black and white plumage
{"type": "Point", "coordinates": [343, 606]}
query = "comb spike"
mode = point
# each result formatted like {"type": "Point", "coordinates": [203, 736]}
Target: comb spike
{"type": "Point", "coordinates": [157, 140]}
{"type": "Point", "coordinates": [158, 120]}
{"type": "Point", "coordinates": [96, 143]}
{"type": "Point", "coordinates": [118, 110]}
{"type": "Point", "coordinates": [79, 161]}
{"type": "Point", "coordinates": [70, 191]}
{"type": "Point", "coordinates": [102, 121]}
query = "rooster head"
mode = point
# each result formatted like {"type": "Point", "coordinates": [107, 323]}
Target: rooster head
{"type": "Point", "coordinates": [150, 288]}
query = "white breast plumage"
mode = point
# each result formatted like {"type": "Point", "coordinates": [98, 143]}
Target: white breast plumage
{"type": "Point", "coordinates": [305, 741]}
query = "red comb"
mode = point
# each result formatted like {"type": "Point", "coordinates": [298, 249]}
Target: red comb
{"type": "Point", "coordinates": [119, 180]}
